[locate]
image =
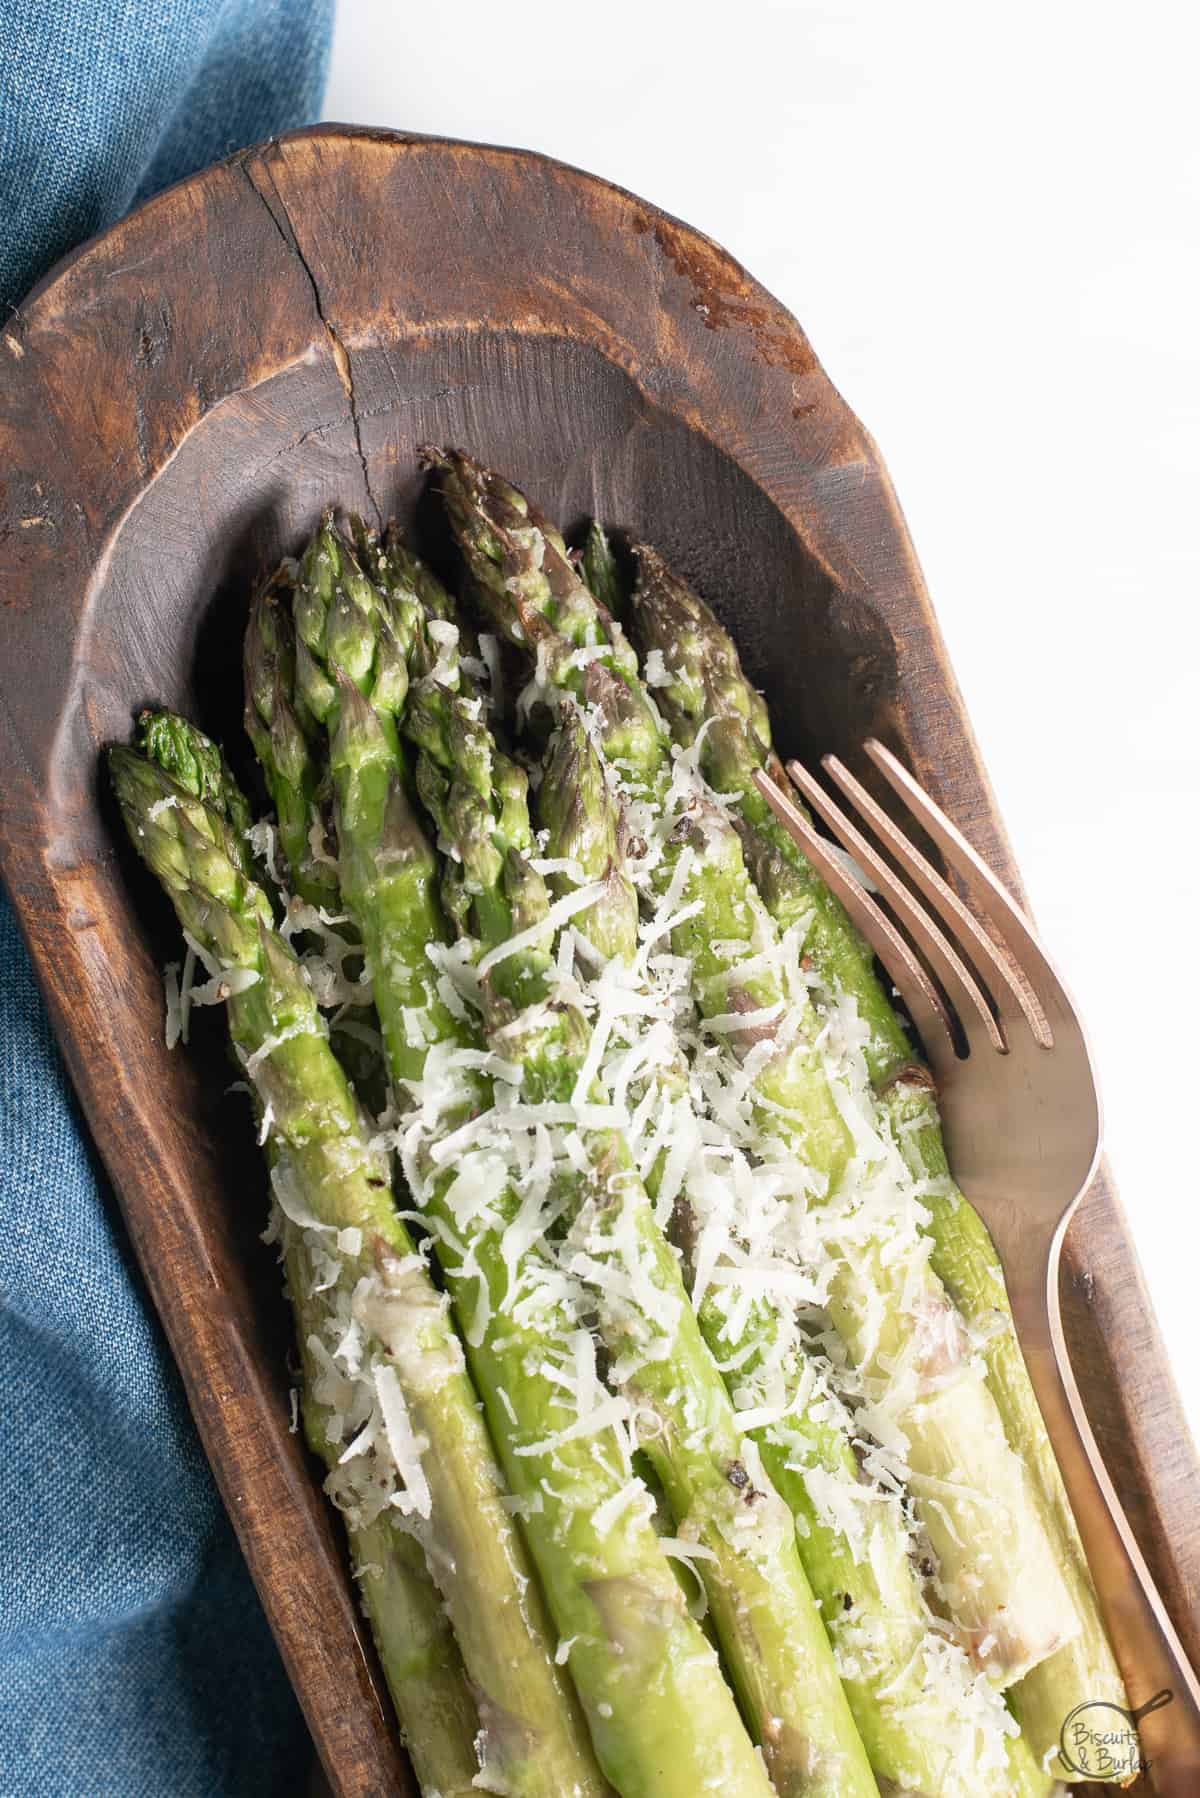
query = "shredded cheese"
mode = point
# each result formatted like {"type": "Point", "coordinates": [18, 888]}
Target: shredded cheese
{"type": "Point", "coordinates": [558, 913]}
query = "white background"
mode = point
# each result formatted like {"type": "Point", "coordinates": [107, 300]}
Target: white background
{"type": "Point", "coordinates": [988, 225]}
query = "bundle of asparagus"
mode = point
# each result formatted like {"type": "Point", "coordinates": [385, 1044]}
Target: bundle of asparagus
{"type": "Point", "coordinates": [707, 697]}
{"type": "Point", "coordinates": [662, 1377]}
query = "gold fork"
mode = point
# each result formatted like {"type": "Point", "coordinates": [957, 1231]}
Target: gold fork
{"type": "Point", "coordinates": [1022, 1123]}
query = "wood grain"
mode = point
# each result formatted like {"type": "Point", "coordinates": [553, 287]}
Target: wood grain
{"type": "Point", "coordinates": [177, 402]}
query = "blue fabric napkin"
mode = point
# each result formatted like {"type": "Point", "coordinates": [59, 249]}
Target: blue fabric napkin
{"type": "Point", "coordinates": [135, 1661]}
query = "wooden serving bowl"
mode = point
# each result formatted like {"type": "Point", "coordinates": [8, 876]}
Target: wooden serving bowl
{"type": "Point", "coordinates": [178, 401]}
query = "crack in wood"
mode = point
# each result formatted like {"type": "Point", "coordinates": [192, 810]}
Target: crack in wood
{"type": "Point", "coordinates": [338, 350]}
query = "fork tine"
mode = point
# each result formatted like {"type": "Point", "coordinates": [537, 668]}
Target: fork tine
{"type": "Point", "coordinates": [1007, 986]}
{"type": "Point", "coordinates": [905, 971]}
{"type": "Point", "coordinates": [1016, 933]}
{"type": "Point", "coordinates": [947, 964]}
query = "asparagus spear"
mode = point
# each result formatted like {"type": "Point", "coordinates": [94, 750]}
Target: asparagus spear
{"type": "Point", "coordinates": [495, 525]}
{"type": "Point", "coordinates": [391, 1407]}
{"type": "Point", "coordinates": [281, 734]}
{"type": "Point", "coordinates": [601, 571]}
{"type": "Point", "coordinates": [766, 1621]}
{"type": "Point", "coordinates": [889, 1309]}
{"type": "Point", "coordinates": [287, 695]}
{"type": "Point", "coordinates": [439, 1719]}
{"type": "Point", "coordinates": [662, 1720]}
{"type": "Point", "coordinates": [196, 764]}
{"type": "Point", "coordinates": [435, 1704]}
{"type": "Point", "coordinates": [525, 579]}
{"type": "Point", "coordinates": [708, 689]}
{"type": "Point", "coordinates": [409, 580]}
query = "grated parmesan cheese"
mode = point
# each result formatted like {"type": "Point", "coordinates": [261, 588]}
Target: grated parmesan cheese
{"type": "Point", "coordinates": [173, 1025]}
{"type": "Point", "coordinates": [406, 1447]}
{"type": "Point", "coordinates": [558, 913]}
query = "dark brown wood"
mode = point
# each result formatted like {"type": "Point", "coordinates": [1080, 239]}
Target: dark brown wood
{"type": "Point", "coordinates": [177, 402]}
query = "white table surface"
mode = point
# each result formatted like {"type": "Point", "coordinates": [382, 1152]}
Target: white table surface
{"type": "Point", "coordinates": [989, 224]}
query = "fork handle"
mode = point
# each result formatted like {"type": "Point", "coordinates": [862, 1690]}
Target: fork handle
{"type": "Point", "coordinates": [1148, 1650]}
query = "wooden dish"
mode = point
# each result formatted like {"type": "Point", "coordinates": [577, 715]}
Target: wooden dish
{"type": "Point", "coordinates": [177, 403]}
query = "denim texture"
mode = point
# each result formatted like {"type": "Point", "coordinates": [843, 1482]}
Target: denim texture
{"type": "Point", "coordinates": [135, 1661]}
